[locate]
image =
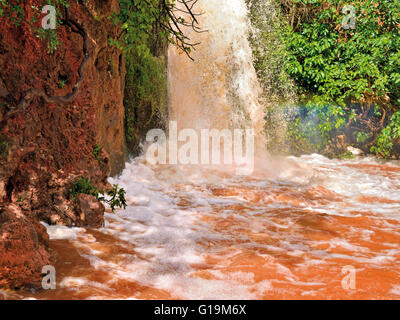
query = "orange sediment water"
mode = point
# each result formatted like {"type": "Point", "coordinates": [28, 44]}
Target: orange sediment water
{"type": "Point", "coordinates": [240, 238]}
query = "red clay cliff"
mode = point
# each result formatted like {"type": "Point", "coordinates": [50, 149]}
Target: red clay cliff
{"type": "Point", "coordinates": [45, 146]}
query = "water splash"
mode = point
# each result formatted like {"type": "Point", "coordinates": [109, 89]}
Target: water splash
{"type": "Point", "coordinates": [220, 88]}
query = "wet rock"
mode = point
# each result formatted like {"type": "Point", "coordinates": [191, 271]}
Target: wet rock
{"type": "Point", "coordinates": [355, 151]}
{"type": "Point", "coordinates": [24, 249]}
{"type": "Point", "coordinates": [90, 211]}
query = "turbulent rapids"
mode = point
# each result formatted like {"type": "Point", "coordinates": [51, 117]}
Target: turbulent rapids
{"type": "Point", "coordinates": [288, 231]}
{"type": "Point", "coordinates": [187, 237]}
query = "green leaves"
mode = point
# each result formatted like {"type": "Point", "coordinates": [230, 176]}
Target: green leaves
{"type": "Point", "coordinates": [334, 69]}
{"type": "Point", "coordinates": [340, 65]}
{"type": "Point", "coordinates": [384, 144]}
{"type": "Point", "coordinates": [116, 195]}
{"type": "Point", "coordinates": [84, 186]}
{"type": "Point", "coordinates": [97, 152]}
{"type": "Point", "coordinates": [136, 19]}
{"type": "Point", "coordinates": [117, 198]}
{"type": "Point", "coordinates": [4, 146]}
{"type": "Point", "coordinates": [51, 38]}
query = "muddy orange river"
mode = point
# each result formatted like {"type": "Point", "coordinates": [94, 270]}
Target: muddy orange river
{"type": "Point", "coordinates": [290, 234]}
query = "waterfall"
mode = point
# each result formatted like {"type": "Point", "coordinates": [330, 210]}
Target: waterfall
{"type": "Point", "coordinates": [220, 88]}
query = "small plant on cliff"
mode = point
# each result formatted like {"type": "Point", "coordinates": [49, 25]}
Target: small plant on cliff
{"type": "Point", "coordinates": [51, 38]}
{"type": "Point", "coordinates": [96, 152]}
{"type": "Point", "coordinates": [14, 12]}
{"type": "Point", "coordinates": [115, 199]}
{"type": "Point", "coordinates": [83, 186]}
{"type": "Point", "coordinates": [17, 14]}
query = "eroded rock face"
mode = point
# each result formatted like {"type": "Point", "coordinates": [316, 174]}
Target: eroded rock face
{"type": "Point", "coordinates": [23, 249]}
{"type": "Point", "coordinates": [46, 146]}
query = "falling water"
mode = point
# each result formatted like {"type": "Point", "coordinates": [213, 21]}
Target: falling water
{"type": "Point", "coordinates": [220, 88]}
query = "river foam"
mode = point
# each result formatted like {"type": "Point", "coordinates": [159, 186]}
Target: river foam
{"type": "Point", "coordinates": [246, 237]}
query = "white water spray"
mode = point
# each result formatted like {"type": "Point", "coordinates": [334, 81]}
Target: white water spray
{"type": "Point", "coordinates": [220, 88]}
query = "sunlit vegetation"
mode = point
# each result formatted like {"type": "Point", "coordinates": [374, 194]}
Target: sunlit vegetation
{"type": "Point", "coordinates": [147, 29]}
{"type": "Point", "coordinates": [115, 197]}
{"type": "Point", "coordinates": [347, 80]}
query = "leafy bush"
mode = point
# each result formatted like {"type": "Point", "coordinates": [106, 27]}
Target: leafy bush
{"type": "Point", "coordinates": [83, 186]}
{"type": "Point", "coordinates": [315, 126]}
{"type": "Point", "coordinates": [136, 19]}
{"type": "Point", "coordinates": [384, 143]}
{"type": "Point", "coordinates": [145, 88]}
{"type": "Point", "coordinates": [338, 65]}
{"type": "Point", "coordinates": [336, 70]}
{"type": "Point", "coordinates": [145, 85]}
{"type": "Point", "coordinates": [116, 194]}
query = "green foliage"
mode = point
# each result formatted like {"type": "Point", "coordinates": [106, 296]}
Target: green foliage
{"type": "Point", "coordinates": [347, 155]}
{"type": "Point", "coordinates": [384, 143]}
{"type": "Point", "coordinates": [14, 13]}
{"type": "Point", "coordinates": [137, 19]}
{"type": "Point", "coordinates": [145, 85]}
{"type": "Point", "coordinates": [362, 137]}
{"type": "Point", "coordinates": [116, 195]}
{"type": "Point", "coordinates": [337, 65]}
{"type": "Point", "coordinates": [268, 49]}
{"type": "Point", "coordinates": [2, 5]}
{"type": "Point", "coordinates": [62, 81]}
{"type": "Point", "coordinates": [83, 186]}
{"type": "Point", "coordinates": [97, 152]}
{"type": "Point", "coordinates": [315, 126]}
{"type": "Point", "coordinates": [145, 88]}
{"type": "Point", "coordinates": [110, 66]}
{"type": "Point", "coordinates": [336, 68]}
{"type": "Point", "coordinates": [117, 198]}
{"type": "Point", "coordinates": [141, 20]}
{"type": "Point", "coordinates": [50, 37]}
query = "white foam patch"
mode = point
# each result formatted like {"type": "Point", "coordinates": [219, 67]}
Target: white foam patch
{"type": "Point", "coordinates": [395, 290]}
{"type": "Point", "coordinates": [169, 239]}
{"type": "Point", "coordinates": [63, 233]}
